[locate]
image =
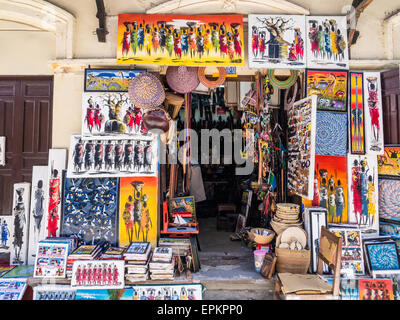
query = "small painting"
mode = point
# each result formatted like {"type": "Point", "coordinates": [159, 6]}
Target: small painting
{"type": "Point", "coordinates": [182, 205]}
{"type": "Point", "coordinates": [51, 260]}
{"type": "Point", "coordinates": [357, 113]}
{"type": "Point", "coordinates": [331, 137]}
{"type": "Point", "coordinates": [389, 228]}
{"type": "Point", "coordinates": [109, 80]}
{"type": "Point", "coordinates": [7, 232]}
{"type": "Point", "coordinates": [375, 289]}
{"type": "Point", "coordinates": [389, 200]}
{"type": "Point", "coordinates": [389, 162]}
{"type": "Point", "coordinates": [53, 292]}
{"type": "Point", "coordinates": [103, 294]}
{"type": "Point", "coordinates": [382, 256]}
{"type": "Point", "coordinates": [331, 88]}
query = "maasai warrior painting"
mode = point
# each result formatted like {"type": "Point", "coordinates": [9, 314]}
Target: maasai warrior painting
{"type": "Point", "coordinates": [331, 88]}
{"type": "Point", "coordinates": [375, 289]}
{"type": "Point", "coordinates": [327, 45]}
{"type": "Point", "coordinates": [109, 80]}
{"type": "Point", "coordinates": [277, 41]}
{"type": "Point", "coordinates": [138, 210]}
{"type": "Point", "coordinates": [363, 192]}
{"type": "Point", "coordinates": [193, 40]}
{"type": "Point", "coordinates": [357, 114]}
{"type": "Point", "coordinates": [330, 187]}
{"type": "Point", "coordinates": [389, 162]}
{"type": "Point", "coordinates": [373, 114]}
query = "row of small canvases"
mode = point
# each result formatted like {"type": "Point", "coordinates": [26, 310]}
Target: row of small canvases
{"type": "Point", "coordinates": [274, 41]}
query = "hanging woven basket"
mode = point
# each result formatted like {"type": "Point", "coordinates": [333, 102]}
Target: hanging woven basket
{"type": "Point", "coordinates": [285, 84]}
{"type": "Point", "coordinates": [212, 84]}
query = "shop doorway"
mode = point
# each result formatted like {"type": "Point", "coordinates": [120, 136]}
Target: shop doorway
{"type": "Point", "coordinates": [26, 121]}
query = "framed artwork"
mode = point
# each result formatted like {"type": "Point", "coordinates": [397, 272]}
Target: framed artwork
{"type": "Point", "coordinates": [357, 113]}
{"type": "Point", "coordinates": [12, 289]}
{"type": "Point", "coordinates": [331, 88]}
{"type": "Point", "coordinates": [276, 41]}
{"type": "Point", "coordinates": [20, 223]}
{"type": "Point", "coordinates": [53, 292]}
{"type": "Point", "coordinates": [382, 256]}
{"type": "Point", "coordinates": [7, 233]}
{"type": "Point", "coordinates": [98, 274]}
{"type": "Point", "coordinates": [51, 260]}
{"type": "Point", "coordinates": [389, 201]}
{"type": "Point", "coordinates": [349, 289]}
{"type": "Point", "coordinates": [20, 272]}
{"type": "Point", "coordinates": [389, 162]}
{"type": "Point", "coordinates": [331, 139]}
{"type": "Point", "coordinates": [330, 187]}
{"type": "Point", "coordinates": [375, 289]}
{"type": "Point", "coordinates": [138, 210]}
{"type": "Point", "coordinates": [90, 209]}
{"type": "Point", "coordinates": [109, 80]}
{"type": "Point", "coordinates": [57, 163]}
{"type": "Point", "coordinates": [182, 205]}
{"type": "Point", "coordinates": [326, 42]}
{"type": "Point", "coordinates": [301, 147]}
{"type": "Point", "coordinates": [363, 192]}
{"type": "Point", "coordinates": [192, 291]}
{"type": "Point", "coordinates": [352, 251]}
{"type": "Point", "coordinates": [103, 294]}
{"type": "Point", "coordinates": [374, 143]}
{"type": "Point", "coordinates": [112, 157]}
{"type": "Point", "coordinates": [192, 40]}
{"type": "Point", "coordinates": [2, 151]}
{"type": "Point", "coordinates": [240, 223]}
{"type": "Point", "coordinates": [108, 113]}
{"type": "Point", "coordinates": [39, 205]}
{"type": "Point", "coordinates": [389, 228]}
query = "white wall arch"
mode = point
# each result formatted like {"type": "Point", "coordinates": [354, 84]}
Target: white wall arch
{"type": "Point", "coordinates": [45, 16]}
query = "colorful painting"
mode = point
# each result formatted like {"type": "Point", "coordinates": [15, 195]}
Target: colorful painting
{"type": "Point", "coordinates": [192, 291]}
{"type": "Point", "coordinates": [20, 272]}
{"type": "Point", "coordinates": [53, 292]}
{"type": "Point", "coordinates": [5, 269]}
{"type": "Point", "coordinates": [301, 147]}
{"type": "Point", "coordinates": [98, 274]}
{"type": "Point", "coordinates": [138, 203]}
{"type": "Point", "coordinates": [382, 256]}
{"type": "Point", "coordinates": [389, 162]}
{"type": "Point", "coordinates": [90, 210]}
{"type": "Point", "coordinates": [2, 151]}
{"type": "Point", "coordinates": [57, 163]}
{"type": "Point", "coordinates": [108, 80]}
{"type": "Point", "coordinates": [352, 251]}
{"type": "Point", "coordinates": [357, 113]}
{"type": "Point", "coordinates": [375, 289]}
{"type": "Point", "coordinates": [192, 40]}
{"type": "Point", "coordinates": [103, 294]}
{"type": "Point", "coordinates": [330, 187]}
{"type": "Point", "coordinates": [112, 157]}
{"type": "Point", "coordinates": [51, 260]}
{"type": "Point", "coordinates": [389, 200]}
{"type": "Point", "coordinates": [276, 42]}
{"type": "Point", "coordinates": [7, 233]}
{"type": "Point", "coordinates": [331, 88]}
{"type": "Point", "coordinates": [326, 42]}
{"type": "Point", "coordinates": [373, 114]}
{"type": "Point", "coordinates": [39, 204]}
{"type": "Point", "coordinates": [183, 205]}
{"type": "Point", "coordinates": [363, 192]}
{"type": "Point", "coordinates": [331, 137]}
{"type": "Point", "coordinates": [110, 113]}
{"type": "Point", "coordinates": [12, 289]}
{"type": "Point", "coordinates": [389, 228]}
{"type": "Point", "coordinates": [20, 223]}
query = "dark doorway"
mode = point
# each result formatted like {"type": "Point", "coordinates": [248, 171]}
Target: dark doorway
{"type": "Point", "coordinates": [391, 106]}
{"type": "Point", "coordinates": [26, 105]}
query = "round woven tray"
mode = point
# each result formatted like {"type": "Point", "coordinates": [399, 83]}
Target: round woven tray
{"type": "Point", "coordinates": [257, 238]}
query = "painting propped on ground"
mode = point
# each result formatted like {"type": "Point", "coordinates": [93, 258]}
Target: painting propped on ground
{"type": "Point", "coordinates": [389, 162]}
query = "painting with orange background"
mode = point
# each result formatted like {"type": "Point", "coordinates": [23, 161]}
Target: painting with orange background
{"type": "Point", "coordinates": [192, 40]}
{"type": "Point", "coordinates": [375, 289]}
{"type": "Point", "coordinates": [138, 214]}
{"type": "Point", "coordinates": [330, 187]}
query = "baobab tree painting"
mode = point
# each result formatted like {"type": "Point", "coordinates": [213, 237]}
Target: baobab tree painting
{"type": "Point", "coordinates": [277, 41]}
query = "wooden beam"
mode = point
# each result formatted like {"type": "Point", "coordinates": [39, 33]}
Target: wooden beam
{"type": "Point", "coordinates": [360, 6]}
{"type": "Point", "coordinates": [101, 15]}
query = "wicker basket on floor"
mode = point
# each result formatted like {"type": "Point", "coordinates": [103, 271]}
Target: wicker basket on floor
{"type": "Point", "coordinates": [258, 238]}
{"type": "Point", "coordinates": [292, 261]}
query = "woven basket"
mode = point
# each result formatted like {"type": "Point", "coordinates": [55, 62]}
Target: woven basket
{"type": "Point", "coordinates": [280, 227]}
{"type": "Point", "coordinates": [292, 261]}
{"type": "Point", "coordinates": [257, 238]}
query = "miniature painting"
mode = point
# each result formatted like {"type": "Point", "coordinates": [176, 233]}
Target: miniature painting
{"type": "Point", "coordinates": [183, 205]}
{"type": "Point", "coordinates": [5, 269]}
{"type": "Point", "coordinates": [138, 205]}
{"type": "Point", "coordinates": [20, 272]}
{"type": "Point", "coordinates": [7, 232]}
{"type": "Point", "coordinates": [389, 162]}
{"type": "Point", "coordinates": [103, 294]}
{"type": "Point", "coordinates": [98, 274]}
{"type": "Point", "coordinates": [110, 113]}
{"type": "Point", "coordinates": [375, 289]}
{"type": "Point", "coordinates": [357, 114]}
{"type": "Point", "coordinates": [363, 192]}
{"type": "Point", "coordinates": [57, 163]}
{"type": "Point", "coordinates": [108, 80]}
{"type": "Point", "coordinates": [389, 228]}
{"type": "Point", "coordinates": [21, 202]}
{"type": "Point", "coordinates": [112, 157]}
{"type": "Point", "coordinates": [301, 147]}
{"type": "Point", "coordinates": [331, 137]}
{"type": "Point", "coordinates": [330, 187]}
{"type": "Point", "coordinates": [331, 88]}
{"type": "Point", "coordinates": [192, 40]}
{"type": "Point", "coordinates": [90, 210]}
{"type": "Point", "coordinates": [192, 291]}
{"type": "Point", "coordinates": [53, 292]}
{"type": "Point", "coordinates": [51, 260]}
{"type": "Point", "coordinates": [382, 256]}
{"type": "Point", "coordinates": [38, 212]}
{"type": "Point", "coordinates": [2, 151]}
{"type": "Point", "coordinates": [12, 289]}
{"type": "Point", "coordinates": [389, 201]}
{"type": "Point", "coordinates": [373, 114]}
{"type": "Point", "coordinates": [327, 44]}
{"type": "Point", "coordinates": [276, 42]}
{"type": "Point", "coordinates": [349, 289]}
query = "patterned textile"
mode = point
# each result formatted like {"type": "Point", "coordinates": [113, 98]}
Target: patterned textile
{"type": "Point", "coordinates": [389, 199]}
{"type": "Point", "coordinates": [331, 134]}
